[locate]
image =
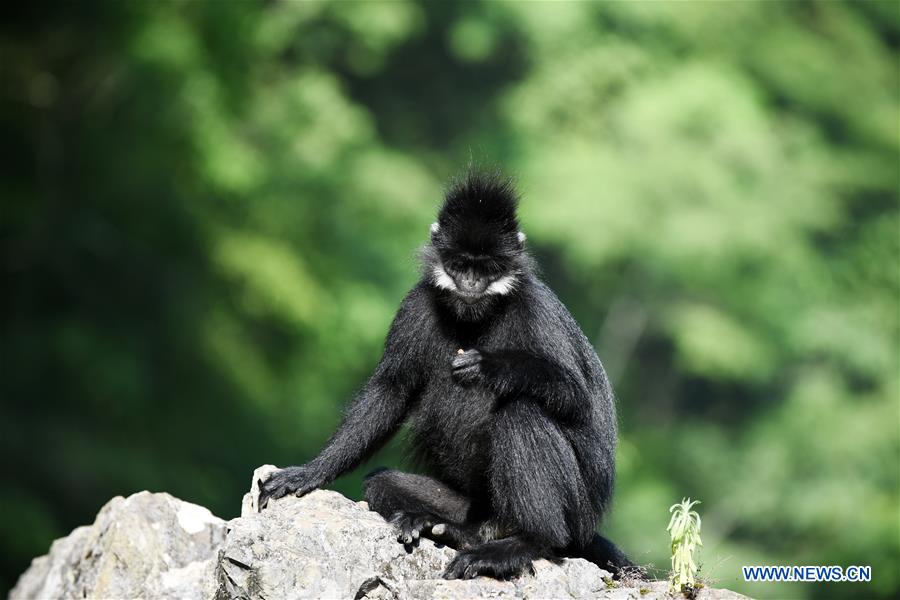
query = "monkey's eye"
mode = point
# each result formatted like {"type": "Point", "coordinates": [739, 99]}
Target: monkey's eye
{"type": "Point", "coordinates": [458, 265]}
{"type": "Point", "coordinates": [493, 268]}
{"type": "Point", "coordinates": [490, 268]}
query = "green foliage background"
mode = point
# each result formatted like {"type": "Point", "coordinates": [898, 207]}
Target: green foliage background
{"type": "Point", "coordinates": [211, 210]}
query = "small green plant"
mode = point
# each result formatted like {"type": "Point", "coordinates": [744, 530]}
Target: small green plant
{"type": "Point", "coordinates": [684, 527]}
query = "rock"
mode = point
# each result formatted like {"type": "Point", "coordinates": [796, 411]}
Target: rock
{"type": "Point", "coordinates": [319, 546]}
{"type": "Point", "coordinates": [146, 545]}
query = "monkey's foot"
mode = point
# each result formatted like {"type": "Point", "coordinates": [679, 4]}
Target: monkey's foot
{"type": "Point", "coordinates": [500, 559]}
{"type": "Point", "coordinates": [412, 526]}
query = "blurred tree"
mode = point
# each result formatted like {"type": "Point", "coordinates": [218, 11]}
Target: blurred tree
{"type": "Point", "coordinates": [210, 213]}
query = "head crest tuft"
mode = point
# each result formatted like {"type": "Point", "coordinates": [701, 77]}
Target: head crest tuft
{"type": "Point", "coordinates": [479, 199]}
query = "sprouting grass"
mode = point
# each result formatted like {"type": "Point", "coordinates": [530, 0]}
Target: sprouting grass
{"type": "Point", "coordinates": [684, 527]}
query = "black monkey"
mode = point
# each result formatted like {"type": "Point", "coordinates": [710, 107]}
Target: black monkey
{"type": "Point", "coordinates": [511, 412]}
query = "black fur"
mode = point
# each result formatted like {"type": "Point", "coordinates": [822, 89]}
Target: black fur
{"type": "Point", "coordinates": [517, 433]}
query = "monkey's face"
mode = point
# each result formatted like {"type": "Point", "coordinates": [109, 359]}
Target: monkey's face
{"type": "Point", "coordinates": [471, 277]}
{"type": "Point", "coordinates": [474, 269]}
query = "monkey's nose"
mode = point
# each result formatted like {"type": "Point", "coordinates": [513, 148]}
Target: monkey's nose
{"type": "Point", "coordinates": [470, 283]}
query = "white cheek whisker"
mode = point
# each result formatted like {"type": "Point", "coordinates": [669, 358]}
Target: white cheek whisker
{"type": "Point", "coordinates": [502, 286]}
{"type": "Point", "coordinates": [442, 280]}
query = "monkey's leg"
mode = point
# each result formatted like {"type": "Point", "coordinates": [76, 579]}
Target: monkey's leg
{"type": "Point", "coordinates": [537, 493]}
{"type": "Point", "coordinates": [420, 506]}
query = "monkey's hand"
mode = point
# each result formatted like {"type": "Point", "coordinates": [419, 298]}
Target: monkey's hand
{"type": "Point", "coordinates": [292, 480]}
{"type": "Point", "coordinates": [468, 367]}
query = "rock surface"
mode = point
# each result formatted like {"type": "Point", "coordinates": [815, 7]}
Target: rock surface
{"type": "Point", "coordinates": [319, 546]}
{"type": "Point", "coordinates": [146, 545]}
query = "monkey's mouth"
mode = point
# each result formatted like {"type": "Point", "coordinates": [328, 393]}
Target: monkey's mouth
{"type": "Point", "coordinates": [470, 297]}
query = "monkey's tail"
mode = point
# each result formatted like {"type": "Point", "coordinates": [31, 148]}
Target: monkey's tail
{"type": "Point", "coordinates": [607, 556]}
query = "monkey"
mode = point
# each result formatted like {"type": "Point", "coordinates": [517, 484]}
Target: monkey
{"type": "Point", "coordinates": [512, 418]}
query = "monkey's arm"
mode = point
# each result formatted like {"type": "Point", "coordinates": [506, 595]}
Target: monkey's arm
{"type": "Point", "coordinates": [369, 421]}
{"type": "Point", "coordinates": [561, 390]}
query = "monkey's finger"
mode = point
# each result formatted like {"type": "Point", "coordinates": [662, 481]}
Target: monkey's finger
{"type": "Point", "coordinates": [266, 500]}
{"type": "Point", "coordinates": [303, 490]}
{"type": "Point", "coordinates": [455, 569]}
{"type": "Point", "coordinates": [471, 357]}
{"type": "Point", "coordinates": [407, 534]}
{"type": "Point", "coordinates": [467, 376]}
{"type": "Point", "coordinates": [261, 498]}
{"type": "Point", "coordinates": [265, 494]}
{"type": "Point", "coordinates": [404, 533]}
{"type": "Point", "coordinates": [409, 540]}
{"type": "Point", "coordinates": [462, 362]}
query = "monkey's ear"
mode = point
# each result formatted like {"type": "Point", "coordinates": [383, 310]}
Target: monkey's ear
{"type": "Point", "coordinates": [521, 237]}
{"type": "Point", "coordinates": [434, 229]}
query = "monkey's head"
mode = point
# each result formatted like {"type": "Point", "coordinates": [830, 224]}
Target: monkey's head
{"type": "Point", "coordinates": [477, 253]}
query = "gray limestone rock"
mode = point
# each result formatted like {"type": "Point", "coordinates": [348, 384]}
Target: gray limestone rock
{"type": "Point", "coordinates": [144, 546]}
{"type": "Point", "coordinates": [319, 546]}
